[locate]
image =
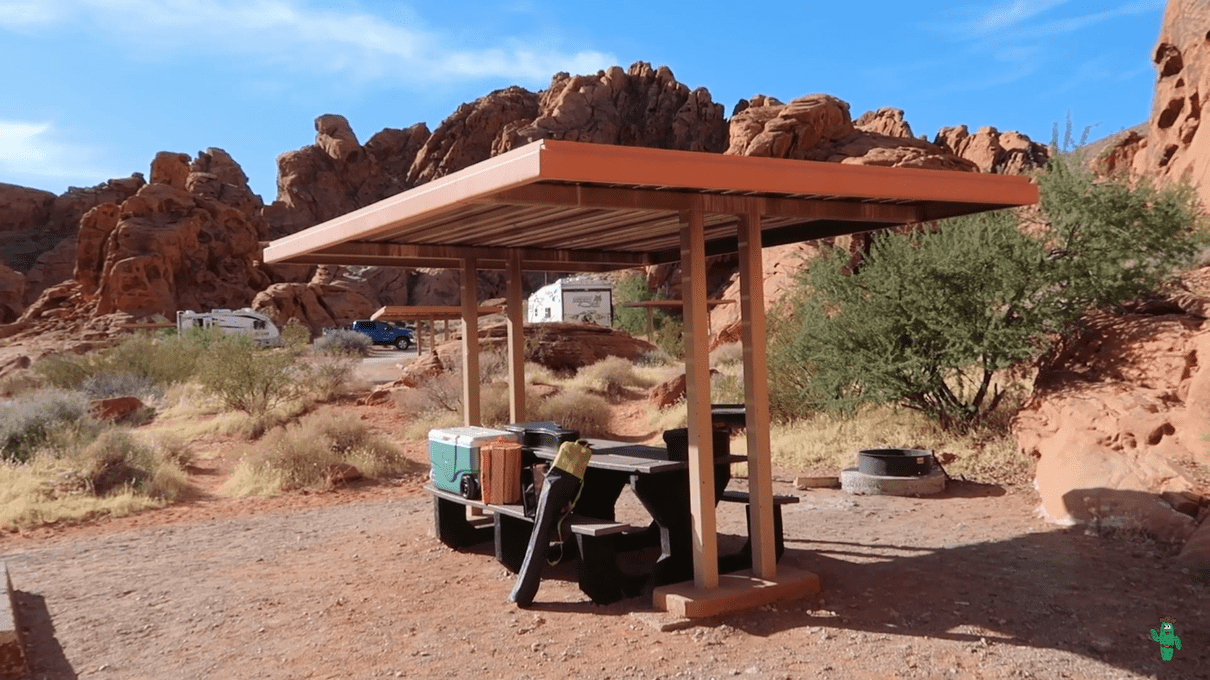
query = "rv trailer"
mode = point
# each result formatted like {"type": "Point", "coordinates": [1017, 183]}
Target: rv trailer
{"type": "Point", "coordinates": [244, 321]}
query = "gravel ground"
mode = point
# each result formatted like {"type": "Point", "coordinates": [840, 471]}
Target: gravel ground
{"type": "Point", "coordinates": [966, 585]}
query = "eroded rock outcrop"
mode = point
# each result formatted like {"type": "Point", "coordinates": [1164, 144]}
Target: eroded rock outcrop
{"type": "Point", "coordinates": [1006, 153]}
{"type": "Point", "coordinates": [338, 175]}
{"type": "Point", "coordinates": [1125, 156]}
{"type": "Point", "coordinates": [12, 292]}
{"type": "Point", "coordinates": [40, 229]}
{"type": "Point", "coordinates": [1115, 415]}
{"type": "Point", "coordinates": [818, 127]}
{"type": "Point", "coordinates": [640, 106]}
{"type": "Point", "coordinates": [1177, 146]}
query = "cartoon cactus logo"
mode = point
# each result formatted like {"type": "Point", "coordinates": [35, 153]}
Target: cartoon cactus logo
{"type": "Point", "coordinates": [1167, 638]}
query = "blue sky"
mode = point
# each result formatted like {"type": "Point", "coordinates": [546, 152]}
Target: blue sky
{"type": "Point", "coordinates": [94, 88]}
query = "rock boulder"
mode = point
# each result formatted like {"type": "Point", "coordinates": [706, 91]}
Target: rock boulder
{"type": "Point", "coordinates": [1115, 416]}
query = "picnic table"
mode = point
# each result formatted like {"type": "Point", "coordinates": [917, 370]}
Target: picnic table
{"type": "Point", "coordinates": [660, 484]}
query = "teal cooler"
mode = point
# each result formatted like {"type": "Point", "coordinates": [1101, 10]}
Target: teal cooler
{"type": "Point", "coordinates": [454, 454]}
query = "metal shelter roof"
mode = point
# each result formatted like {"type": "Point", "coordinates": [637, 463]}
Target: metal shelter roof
{"type": "Point", "coordinates": [571, 206]}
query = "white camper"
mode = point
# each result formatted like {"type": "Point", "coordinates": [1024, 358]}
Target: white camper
{"type": "Point", "coordinates": [578, 298]}
{"type": "Point", "coordinates": [244, 320]}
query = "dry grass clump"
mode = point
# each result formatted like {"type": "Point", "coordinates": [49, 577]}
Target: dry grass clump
{"type": "Point", "coordinates": [612, 375]}
{"type": "Point", "coordinates": [303, 456]}
{"type": "Point", "coordinates": [114, 474]}
{"type": "Point", "coordinates": [587, 413]}
{"type": "Point", "coordinates": [825, 442]}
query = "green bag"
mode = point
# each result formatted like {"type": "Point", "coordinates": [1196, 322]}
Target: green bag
{"type": "Point", "coordinates": [573, 457]}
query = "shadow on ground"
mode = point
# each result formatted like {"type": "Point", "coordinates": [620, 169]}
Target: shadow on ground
{"type": "Point", "coordinates": [43, 652]}
{"type": "Point", "coordinates": [1060, 589]}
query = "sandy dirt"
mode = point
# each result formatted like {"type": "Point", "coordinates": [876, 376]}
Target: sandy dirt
{"type": "Point", "coordinates": [350, 583]}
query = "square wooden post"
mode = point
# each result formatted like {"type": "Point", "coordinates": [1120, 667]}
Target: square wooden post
{"type": "Point", "coordinates": [516, 340]}
{"type": "Point", "coordinates": [697, 399]}
{"type": "Point", "coordinates": [470, 345]}
{"type": "Point", "coordinates": [756, 394]}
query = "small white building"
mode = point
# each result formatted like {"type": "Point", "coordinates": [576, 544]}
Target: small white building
{"type": "Point", "coordinates": [577, 298]}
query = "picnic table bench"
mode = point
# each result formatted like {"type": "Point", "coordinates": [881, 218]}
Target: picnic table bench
{"type": "Point", "coordinates": [596, 569]}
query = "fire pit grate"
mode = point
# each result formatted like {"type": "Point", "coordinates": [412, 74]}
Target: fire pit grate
{"type": "Point", "coordinates": [895, 462]}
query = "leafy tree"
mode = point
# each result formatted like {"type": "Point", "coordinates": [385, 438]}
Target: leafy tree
{"type": "Point", "coordinates": [930, 316]}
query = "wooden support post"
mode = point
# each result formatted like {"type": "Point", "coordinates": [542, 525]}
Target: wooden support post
{"type": "Point", "coordinates": [650, 324]}
{"type": "Point", "coordinates": [419, 333]}
{"type": "Point", "coordinates": [516, 340]}
{"type": "Point", "coordinates": [756, 395]}
{"type": "Point", "coordinates": [445, 330]}
{"type": "Point", "coordinates": [697, 398]}
{"type": "Point", "coordinates": [470, 345]}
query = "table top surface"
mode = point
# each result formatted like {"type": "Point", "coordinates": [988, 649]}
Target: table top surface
{"type": "Point", "coordinates": [623, 457]}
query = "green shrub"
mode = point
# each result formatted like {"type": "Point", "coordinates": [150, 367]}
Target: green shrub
{"type": "Point", "coordinates": [248, 378]}
{"type": "Point", "coordinates": [140, 365]}
{"type": "Point", "coordinates": [343, 343]}
{"type": "Point", "coordinates": [931, 316]}
{"type": "Point", "coordinates": [32, 421]}
{"type": "Point", "coordinates": [670, 338]}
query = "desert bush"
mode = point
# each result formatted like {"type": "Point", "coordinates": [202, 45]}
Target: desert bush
{"type": "Point", "coordinates": [248, 378]}
{"type": "Point", "coordinates": [20, 383]}
{"type": "Point", "coordinates": [115, 459]}
{"type": "Point", "coordinates": [326, 376]}
{"type": "Point", "coordinates": [657, 358]}
{"type": "Point", "coordinates": [141, 361]}
{"type": "Point", "coordinates": [730, 354]}
{"type": "Point", "coordinates": [301, 456]}
{"type": "Point", "coordinates": [727, 388]}
{"type": "Point", "coordinates": [669, 337]}
{"type": "Point", "coordinates": [575, 410]}
{"type": "Point", "coordinates": [295, 336]}
{"type": "Point", "coordinates": [109, 385]}
{"type": "Point", "coordinates": [32, 421]}
{"type": "Point", "coordinates": [343, 343]}
{"type": "Point", "coordinates": [931, 316]}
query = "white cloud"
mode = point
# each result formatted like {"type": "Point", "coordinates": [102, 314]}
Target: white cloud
{"type": "Point", "coordinates": [291, 34]}
{"type": "Point", "coordinates": [32, 149]}
{"type": "Point", "coordinates": [17, 14]}
{"type": "Point", "coordinates": [1004, 16]}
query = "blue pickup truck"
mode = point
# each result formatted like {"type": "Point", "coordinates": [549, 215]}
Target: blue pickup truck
{"type": "Point", "coordinates": [383, 333]}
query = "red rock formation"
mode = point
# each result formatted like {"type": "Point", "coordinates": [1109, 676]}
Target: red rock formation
{"type": "Point", "coordinates": [1177, 145]}
{"type": "Point", "coordinates": [641, 106]}
{"type": "Point", "coordinates": [885, 121]}
{"type": "Point", "coordinates": [1114, 416]}
{"type": "Point", "coordinates": [470, 134]}
{"type": "Point", "coordinates": [1008, 153]}
{"type": "Point", "coordinates": [21, 207]}
{"type": "Point", "coordinates": [12, 292]}
{"type": "Point", "coordinates": [41, 229]}
{"type": "Point", "coordinates": [1125, 156]}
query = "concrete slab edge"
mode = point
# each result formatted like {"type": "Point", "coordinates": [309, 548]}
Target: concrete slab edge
{"type": "Point", "coordinates": [13, 665]}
